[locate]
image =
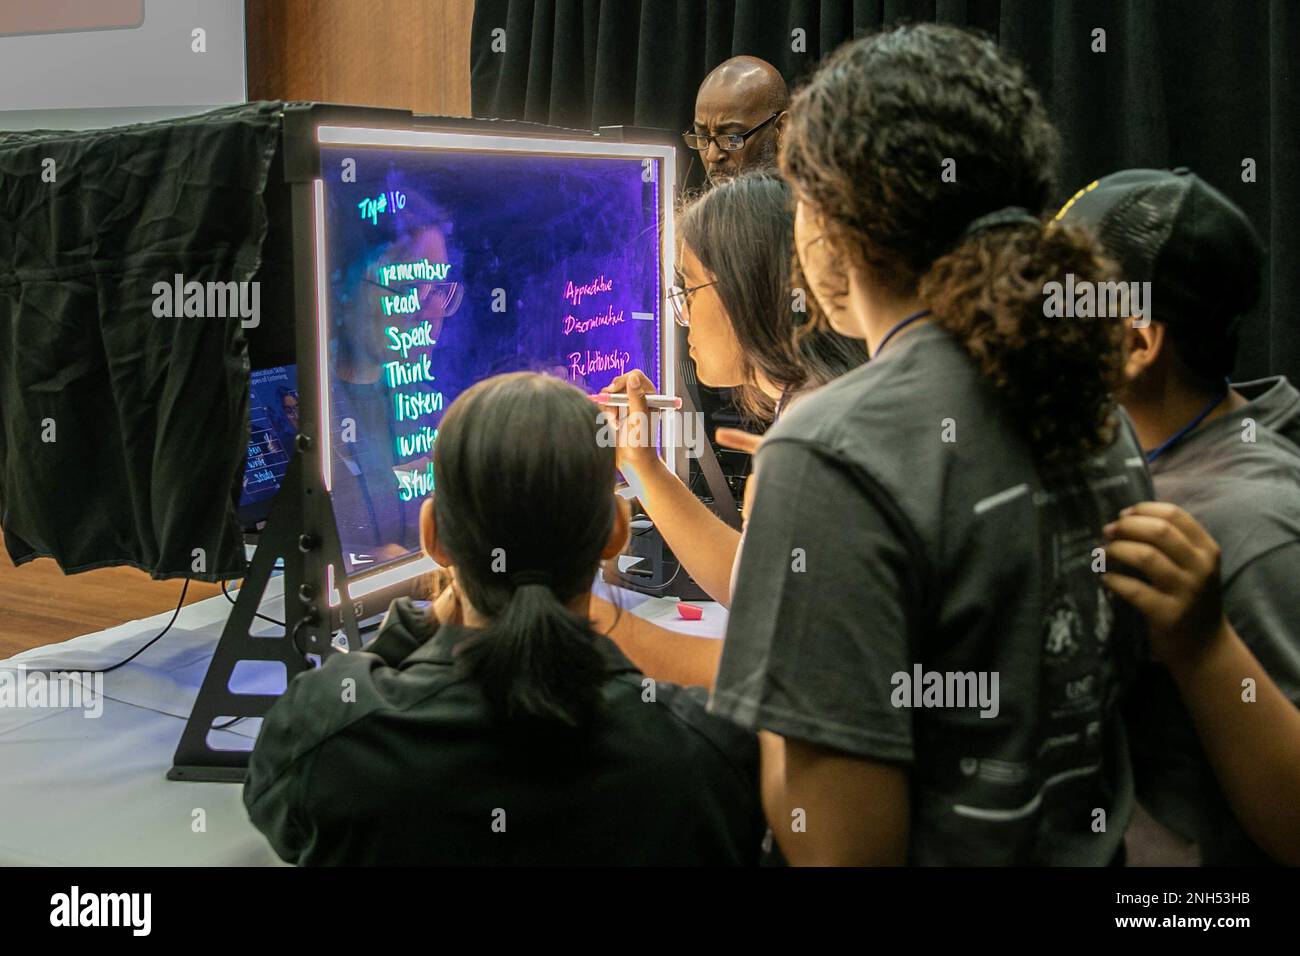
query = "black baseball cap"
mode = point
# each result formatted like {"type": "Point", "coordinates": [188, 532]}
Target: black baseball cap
{"type": "Point", "coordinates": [1191, 242]}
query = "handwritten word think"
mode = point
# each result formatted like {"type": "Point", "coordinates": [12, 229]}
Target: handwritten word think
{"type": "Point", "coordinates": [608, 317]}
{"type": "Point", "coordinates": [408, 373]}
{"type": "Point", "coordinates": [574, 293]}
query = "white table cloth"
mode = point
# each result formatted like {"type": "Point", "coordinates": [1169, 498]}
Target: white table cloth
{"type": "Point", "coordinates": [83, 791]}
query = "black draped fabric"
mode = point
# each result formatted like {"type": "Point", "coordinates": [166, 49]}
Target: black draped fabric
{"type": "Point", "coordinates": [1206, 84]}
{"type": "Point", "coordinates": [122, 433]}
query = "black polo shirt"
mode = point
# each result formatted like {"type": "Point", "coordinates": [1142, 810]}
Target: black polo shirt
{"type": "Point", "coordinates": [391, 756]}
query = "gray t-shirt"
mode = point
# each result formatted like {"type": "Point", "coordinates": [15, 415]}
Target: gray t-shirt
{"type": "Point", "coordinates": [1239, 476]}
{"type": "Point", "coordinates": [902, 534]}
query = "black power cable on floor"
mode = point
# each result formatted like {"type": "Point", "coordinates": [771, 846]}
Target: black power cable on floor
{"type": "Point", "coordinates": [105, 670]}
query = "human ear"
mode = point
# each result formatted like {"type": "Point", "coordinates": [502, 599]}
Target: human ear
{"type": "Point", "coordinates": [1143, 347]}
{"type": "Point", "coordinates": [620, 534]}
{"type": "Point", "coordinates": [429, 534]}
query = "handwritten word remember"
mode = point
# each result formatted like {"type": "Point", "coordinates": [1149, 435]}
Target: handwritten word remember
{"type": "Point", "coordinates": [574, 293]}
{"type": "Point", "coordinates": [422, 271]}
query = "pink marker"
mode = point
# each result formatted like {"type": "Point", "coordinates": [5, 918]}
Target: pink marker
{"type": "Point", "coordinates": [660, 402]}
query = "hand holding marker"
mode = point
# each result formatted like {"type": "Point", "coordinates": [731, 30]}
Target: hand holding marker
{"type": "Point", "coordinates": [626, 401]}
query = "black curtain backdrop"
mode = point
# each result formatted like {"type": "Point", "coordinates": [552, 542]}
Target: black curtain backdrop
{"type": "Point", "coordinates": [1199, 83]}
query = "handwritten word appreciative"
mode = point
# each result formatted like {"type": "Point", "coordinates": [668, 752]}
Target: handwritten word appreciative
{"type": "Point", "coordinates": [574, 293]}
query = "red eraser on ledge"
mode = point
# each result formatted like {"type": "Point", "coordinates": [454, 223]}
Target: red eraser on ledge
{"type": "Point", "coordinates": [689, 612]}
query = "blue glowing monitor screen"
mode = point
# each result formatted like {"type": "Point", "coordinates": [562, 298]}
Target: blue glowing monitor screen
{"type": "Point", "coordinates": [448, 266]}
{"type": "Point", "coordinates": [272, 426]}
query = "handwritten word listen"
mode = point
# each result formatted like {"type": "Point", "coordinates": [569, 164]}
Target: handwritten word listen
{"type": "Point", "coordinates": [574, 293]}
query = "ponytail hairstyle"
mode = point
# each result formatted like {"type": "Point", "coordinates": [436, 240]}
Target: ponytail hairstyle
{"type": "Point", "coordinates": [524, 507]}
{"type": "Point", "coordinates": [867, 144]}
{"type": "Point", "coordinates": [742, 231]}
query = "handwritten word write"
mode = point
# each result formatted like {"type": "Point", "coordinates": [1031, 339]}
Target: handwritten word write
{"type": "Point", "coordinates": [421, 442]}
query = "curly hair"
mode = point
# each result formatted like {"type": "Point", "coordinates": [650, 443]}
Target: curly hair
{"type": "Point", "coordinates": [901, 140]}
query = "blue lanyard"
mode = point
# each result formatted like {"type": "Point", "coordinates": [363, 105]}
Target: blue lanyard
{"type": "Point", "coordinates": [1183, 432]}
{"type": "Point", "coordinates": [899, 327]}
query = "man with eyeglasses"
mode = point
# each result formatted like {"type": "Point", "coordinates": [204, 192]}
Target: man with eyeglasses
{"type": "Point", "coordinates": [739, 112]}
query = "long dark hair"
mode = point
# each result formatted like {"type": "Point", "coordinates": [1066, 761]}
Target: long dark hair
{"type": "Point", "coordinates": [524, 504]}
{"type": "Point", "coordinates": [867, 143]}
{"type": "Point", "coordinates": [742, 231]}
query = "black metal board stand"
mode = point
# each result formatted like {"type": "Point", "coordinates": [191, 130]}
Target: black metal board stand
{"type": "Point", "coordinates": [289, 537]}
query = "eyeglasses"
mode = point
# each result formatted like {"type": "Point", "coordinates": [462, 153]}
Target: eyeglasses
{"type": "Point", "coordinates": [680, 299]}
{"type": "Point", "coordinates": [730, 142]}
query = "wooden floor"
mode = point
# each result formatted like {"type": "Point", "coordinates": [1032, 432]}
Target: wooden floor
{"type": "Point", "coordinates": [39, 605]}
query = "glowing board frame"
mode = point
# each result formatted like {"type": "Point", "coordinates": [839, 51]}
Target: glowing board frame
{"type": "Point", "coordinates": [358, 587]}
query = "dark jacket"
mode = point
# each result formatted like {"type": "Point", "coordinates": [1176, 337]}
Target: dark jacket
{"type": "Point", "coordinates": [391, 756]}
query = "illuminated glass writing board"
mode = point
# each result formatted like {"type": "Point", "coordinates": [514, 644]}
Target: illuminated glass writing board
{"type": "Point", "coordinates": [445, 258]}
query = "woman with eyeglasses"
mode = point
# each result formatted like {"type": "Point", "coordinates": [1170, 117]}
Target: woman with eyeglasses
{"type": "Point", "coordinates": [749, 330]}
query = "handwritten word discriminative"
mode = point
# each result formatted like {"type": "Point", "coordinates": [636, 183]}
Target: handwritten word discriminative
{"type": "Point", "coordinates": [408, 373]}
{"type": "Point", "coordinates": [410, 406]}
{"type": "Point", "coordinates": [581, 366]}
{"type": "Point", "coordinates": [418, 443]}
{"type": "Point", "coordinates": [422, 271]}
{"type": "Point", "coordinates": [403, 340]}
{"type": "Point", "coordinates": [389, 202]}
{"type": "Point", "coordinates": [412, 484]}
{"type": "Point", "coordinates": [575, 293]}
{"type": "Point", "coordinates": [608, 317]}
